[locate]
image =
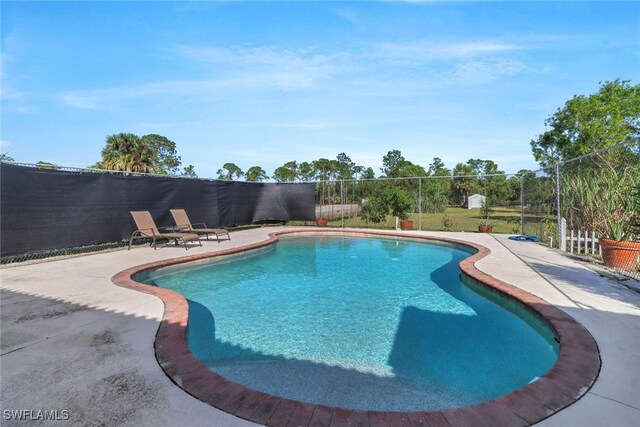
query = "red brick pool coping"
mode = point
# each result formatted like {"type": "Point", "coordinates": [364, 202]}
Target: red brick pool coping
{"type": "Point", "coordinates": [572, 375]}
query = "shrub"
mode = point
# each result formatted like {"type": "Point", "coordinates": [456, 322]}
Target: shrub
{"type": "Point", "coordinates": [373, 210]}
{"type": "Point", "coordinates": [399, 201]}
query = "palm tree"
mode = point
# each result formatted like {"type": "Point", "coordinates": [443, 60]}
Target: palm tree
{"type": "Point", "coordinates": [127, 152]}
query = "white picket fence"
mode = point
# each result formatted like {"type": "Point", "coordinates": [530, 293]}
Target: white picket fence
{"type": "Point", "coordinates": [584, 242]}
{"type": "Point", "coordinates": [579, 241]}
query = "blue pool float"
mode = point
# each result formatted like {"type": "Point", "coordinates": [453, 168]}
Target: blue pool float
{"type": "Point", "coordinates": [525, 238]}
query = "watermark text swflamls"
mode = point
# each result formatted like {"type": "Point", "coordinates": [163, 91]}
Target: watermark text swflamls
{"type": "Point", "coordinates": [36, 414]}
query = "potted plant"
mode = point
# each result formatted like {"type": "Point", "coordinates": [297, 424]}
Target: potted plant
{"type": "Point", "coordinates": [321, 220]}
{"type": "Point", "coordinates": [617, 217]}
{"type": "Point", "coordinates": [485, 226]}
{"type": "Point", "coordinates": [401, 204]}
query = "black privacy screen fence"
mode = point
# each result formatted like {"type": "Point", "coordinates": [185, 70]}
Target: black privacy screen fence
{"type": "Point", "coordinates": [45, 209]}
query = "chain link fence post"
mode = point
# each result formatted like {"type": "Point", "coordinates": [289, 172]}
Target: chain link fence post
{"type": "Point", "coordinates": [522, 204]}
{"type": "Point", "coordinates": [420, 204]}
{"type": "Point", "coordinates": [342, 203]}
{"type": "Point", "coordinates": [559, 212]}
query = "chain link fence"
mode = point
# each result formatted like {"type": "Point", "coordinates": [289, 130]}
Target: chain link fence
{"type": "Point", "coordinates": [539, 205]}
{"type": "Point", "coordinates": [599, 202]}
{"type": "Point", "coordinates": [598, 198]}
{"type": "Point", "coordinates": [572, 205]}
{"type": "Point", "coordinates": [437, 203]}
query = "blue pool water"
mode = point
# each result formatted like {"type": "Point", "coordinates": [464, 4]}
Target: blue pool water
{"type": "Point", "coordinates": [372, 324]}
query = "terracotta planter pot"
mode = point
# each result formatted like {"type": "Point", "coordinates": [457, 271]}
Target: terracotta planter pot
{"type": "Point", "coordinates": [322, 222]}
{"type": "Point", "coordinates": [485, 228]}
{"type": "Point", "coordinates": [406, 225]}
{"type": "Point", "coordinates": [620, 254]}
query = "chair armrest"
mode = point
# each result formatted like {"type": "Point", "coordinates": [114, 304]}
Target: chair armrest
{"type": "Point", "coordinates": [142, 230]}
{"type": "Point", "coordinates": [199, 223]}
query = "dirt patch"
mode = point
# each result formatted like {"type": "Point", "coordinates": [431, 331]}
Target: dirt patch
{"type": "Point", "coordinates": [118, 399]}
{"type": "Point", "coordinates": [105, 338]}
{"type": "Point", "coordinates": [51, 312]}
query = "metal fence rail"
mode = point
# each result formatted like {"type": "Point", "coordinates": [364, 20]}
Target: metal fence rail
{"type": "Point", "coordinates": [48, 166]}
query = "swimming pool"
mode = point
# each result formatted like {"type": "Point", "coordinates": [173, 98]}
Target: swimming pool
{"type": "Point", "coordinates": [365, 323]}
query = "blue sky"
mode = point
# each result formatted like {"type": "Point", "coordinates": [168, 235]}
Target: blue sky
{"type": "Point", "coordinates": [263, 83]}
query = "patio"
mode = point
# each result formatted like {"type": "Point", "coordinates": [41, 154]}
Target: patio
{"type": "Point", "coordinates": [72, 340]}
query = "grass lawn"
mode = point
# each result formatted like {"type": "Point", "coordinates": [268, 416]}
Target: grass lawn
{"type": "Point", "coordinates": [504, 220]}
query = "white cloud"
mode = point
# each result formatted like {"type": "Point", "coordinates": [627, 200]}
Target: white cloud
{"type": "Point", "coordinates": [303, 125]}
{"type": "Point", "coordinates": [346, 13]}
{"type": "Point", "coordinates": [86, 100]}
{"type": "Point", "coordinates": [9, 92]}
{"type": "Point", "coordinates": [89, 99]}
{"type": "Point", "coordinates": [262, 68]}
{"type": "Point", "coordinates": [265, 68]}
{"type": "Point", "coordinates": [286, 68]}
{"type": "Point", "coordinates": [13, 47]}
{"type": "Point", "coordinates": [482, 72]}
{"type": "Point", "coordinates": [307, 124]}
{"type": "Point", "coordinates": [421, 51]}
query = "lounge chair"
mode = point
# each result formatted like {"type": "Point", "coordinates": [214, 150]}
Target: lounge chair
{"type": "Point", "coordinates": [182, 221]}
{"type": "Point", "coordinates": [147, 229]}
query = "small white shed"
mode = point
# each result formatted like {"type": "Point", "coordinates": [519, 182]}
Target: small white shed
{"type": "Point", "coordinates": [476, 201]}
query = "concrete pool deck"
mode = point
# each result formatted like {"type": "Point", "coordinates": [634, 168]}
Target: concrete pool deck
{"type": "Point", "coordinates": [71, 340]}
